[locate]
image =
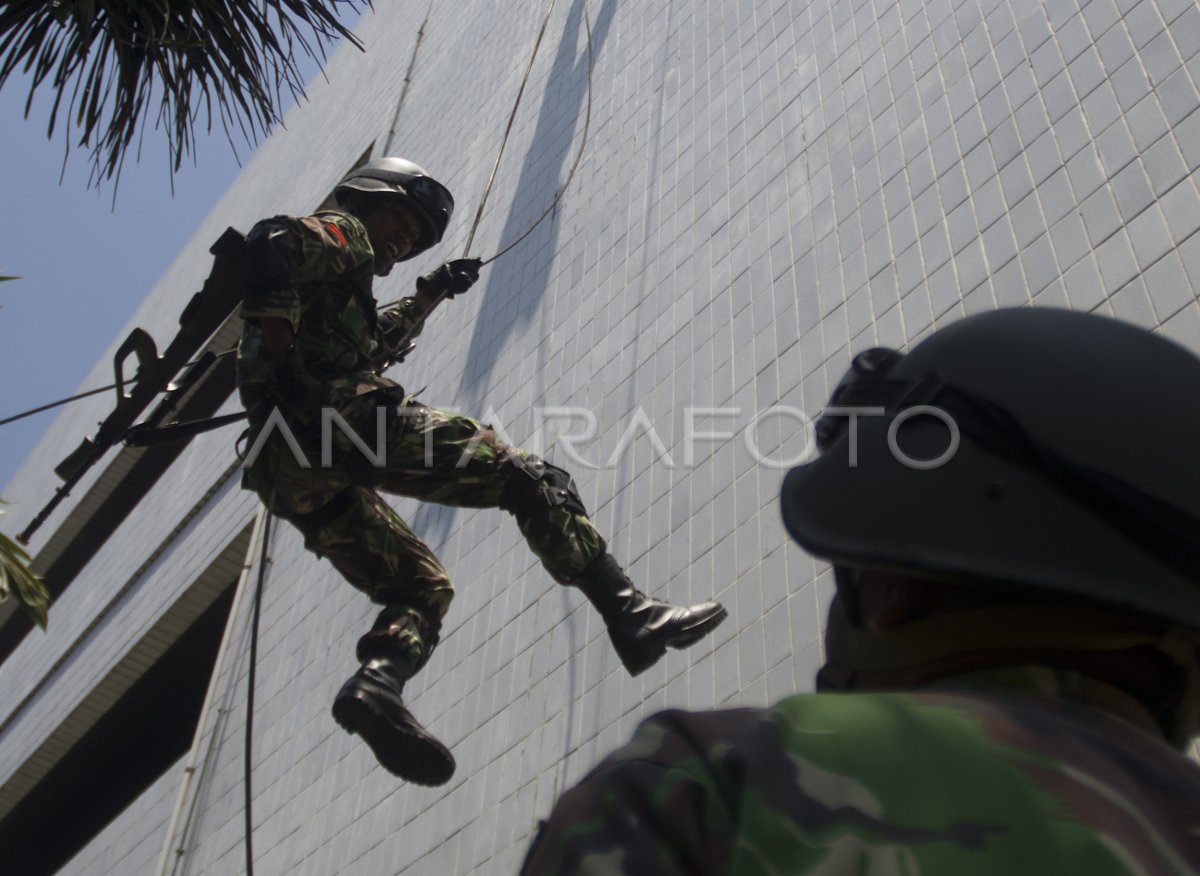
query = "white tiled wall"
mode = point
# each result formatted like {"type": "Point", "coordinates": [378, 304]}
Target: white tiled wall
{"type": "Point", "coordinates": [766, 188]}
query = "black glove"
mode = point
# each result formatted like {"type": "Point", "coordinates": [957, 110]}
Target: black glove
{"type": "Point", "coordinates": [451, 278]}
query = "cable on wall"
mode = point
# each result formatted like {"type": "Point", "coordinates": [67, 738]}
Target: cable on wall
{"type": "Point", "coordinates": [248, 761]}
{"type": "Point", "coordinates": [508, 130]}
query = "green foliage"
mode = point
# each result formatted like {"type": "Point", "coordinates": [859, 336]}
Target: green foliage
{"type": "Point", "coordinates": [111, 63]}
{"type": "Point", "coordinates": [15, 577]}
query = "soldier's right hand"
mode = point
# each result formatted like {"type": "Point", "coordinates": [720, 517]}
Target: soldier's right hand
{"type": "Point", "coordinates": [450, 278]}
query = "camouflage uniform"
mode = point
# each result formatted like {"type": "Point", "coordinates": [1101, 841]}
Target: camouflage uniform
{"type": "Point", "coordinates": [992, 773]}
{"type": "Point", "coordinates": [427, 454]}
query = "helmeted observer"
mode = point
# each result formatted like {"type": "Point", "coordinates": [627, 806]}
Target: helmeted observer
{"type": "Point", "coordinates": [1012, 672]}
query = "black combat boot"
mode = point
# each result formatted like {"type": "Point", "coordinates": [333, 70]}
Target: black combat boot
{"type": "Point", "coordinates": [369, 704]}
{"type": "Point", "coordinates": [641, 628]}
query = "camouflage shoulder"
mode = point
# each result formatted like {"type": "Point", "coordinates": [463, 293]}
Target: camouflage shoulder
{"type": "Point", "coordinates": [882, 782]}
{"type": "Point", "coordinates": [985, 778]}
{"type": "Point", "coordinates": [333, 243]}
{"type": "Point", "coordinates": [349, 225]}
{"type": "Point", "coordinates": [652, 806]}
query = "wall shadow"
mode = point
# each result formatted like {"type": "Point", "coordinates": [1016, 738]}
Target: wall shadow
{"type": "Point", "coordinates": [507, 305]}
{"type": "Point", "coordinates": [510, 301]}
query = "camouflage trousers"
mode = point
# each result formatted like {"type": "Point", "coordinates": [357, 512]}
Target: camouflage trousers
{"type": "Point", "coordinates": [425, 454]}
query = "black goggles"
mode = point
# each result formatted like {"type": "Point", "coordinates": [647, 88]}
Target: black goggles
{"type": "Point", "coordinates": [429, 195]}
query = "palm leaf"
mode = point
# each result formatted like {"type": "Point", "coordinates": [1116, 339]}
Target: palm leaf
{"type": "Point", "coordinates": [15, 577]}
{"type": "Point", "coordinates": [109, 62]}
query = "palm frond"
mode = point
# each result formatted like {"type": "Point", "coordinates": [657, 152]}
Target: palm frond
{"type": "Point", "coordinates": [15, 577]}
{"type": "Point", "coordinates": [109, 61]}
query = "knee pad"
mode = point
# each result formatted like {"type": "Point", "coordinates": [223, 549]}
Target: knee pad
{"type": "Point", "coordinates": [534, 484]}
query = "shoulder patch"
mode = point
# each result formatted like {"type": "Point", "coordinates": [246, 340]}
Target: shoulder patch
{"type": "Point", "coordinates": [337, 233]}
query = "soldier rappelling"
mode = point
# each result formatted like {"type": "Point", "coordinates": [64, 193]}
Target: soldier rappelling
{"type": "Point", "coordinates": [313, 340]}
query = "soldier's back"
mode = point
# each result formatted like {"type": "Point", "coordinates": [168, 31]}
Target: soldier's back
{"type": "Point", "coordinates": [936, 783]}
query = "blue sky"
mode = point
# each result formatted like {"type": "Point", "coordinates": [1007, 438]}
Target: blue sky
{"type": "Point", "coordinates": [84, 264]}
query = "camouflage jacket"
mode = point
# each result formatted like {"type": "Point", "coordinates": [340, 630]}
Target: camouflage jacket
{"type": "Point", "coordinates": [1029, 779]}
{"type": "Point", "coordinates": [339, 333]}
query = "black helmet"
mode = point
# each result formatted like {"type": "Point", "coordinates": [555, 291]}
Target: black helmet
{"type": "Point", "coordinates": [430, 200]}
{"type": "Point", "coordinates": [1036, 446]}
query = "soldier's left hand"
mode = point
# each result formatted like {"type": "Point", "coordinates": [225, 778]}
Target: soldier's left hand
{"type": "Point", "coordinates": [450, 278]}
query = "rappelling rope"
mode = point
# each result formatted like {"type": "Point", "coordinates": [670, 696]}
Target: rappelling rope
{"type": "Point", "coordinates": [264, 560]}
{"type": "Point", "coordinates": [487, 190]}
{"type": "Point", "coordinates": [408, 75]}
{"type": "Point", "coordinates": [508, 130]}
{"type": "Point", "coordinates": [91, 392]}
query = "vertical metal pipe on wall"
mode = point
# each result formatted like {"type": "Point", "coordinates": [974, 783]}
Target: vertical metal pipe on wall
{"type": "Point", "coordinates": [235, 631]}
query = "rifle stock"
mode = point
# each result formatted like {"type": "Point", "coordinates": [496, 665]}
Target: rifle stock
{"type": "Point", "coordinates": [205, 312]}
